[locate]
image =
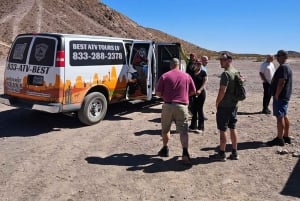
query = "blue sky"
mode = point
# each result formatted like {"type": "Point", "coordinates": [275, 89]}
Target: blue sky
{"type": "Point", "coordinates": [239, 26]}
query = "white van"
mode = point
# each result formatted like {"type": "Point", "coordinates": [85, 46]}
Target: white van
{"type": "Point", "coordinates": [70, 73]}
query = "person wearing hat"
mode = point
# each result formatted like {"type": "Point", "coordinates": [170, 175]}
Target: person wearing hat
{"type": "Point", "coordinates": [199, 77]}
{"type": "Point", "coordinates": [226, 106]}
{"type": "Point", "coordinates": [281, 87]}
{"type": "Point", "coordinates": [266, 73]}
{"type": "Point", "coordinates": [175, 87]}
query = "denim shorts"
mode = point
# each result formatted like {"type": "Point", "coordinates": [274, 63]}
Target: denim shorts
{"type": "Point", "coordinates": [280, 107]}
{"type": "Point", "coordinates": [226, 118]}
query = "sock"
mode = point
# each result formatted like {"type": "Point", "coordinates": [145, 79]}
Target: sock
{"type": "Point", "coordinates": [234, 151]}
{"type": "Point", "coordinates": [185, 151]}
{"type": "Point", "coordinates": [222, 153]}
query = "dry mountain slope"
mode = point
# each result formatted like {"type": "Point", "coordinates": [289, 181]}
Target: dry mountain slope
{"type": "Point", "coordinates": [73, 16]}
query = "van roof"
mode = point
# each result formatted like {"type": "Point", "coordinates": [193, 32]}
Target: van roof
{"type": "Point", "coordinates": [82, 36]}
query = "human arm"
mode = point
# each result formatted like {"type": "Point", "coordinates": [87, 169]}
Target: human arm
{"type": "Point", "coordinates": [159, 94]}
{"type": "Point", "coordinates": [198, 92]}
{"type": "Point", "coordinates": [279, 87]}
{"type": "Point", "coordinates": [221, 94]}
{"type": "Point", "coordinates": [262, 76]}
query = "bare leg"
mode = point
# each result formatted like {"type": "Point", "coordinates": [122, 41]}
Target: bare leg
{"type": "Point", "coordinates": [233, 136]}
{"type": "Point", "coordinates": [184, 138]}
{"type": "Point", "coordinates": [166, 137]}
{"type": "Point", "coordinates": [280, 127]}
{"type": "Point", "coordinates": [286, 126]}
{"type": "Point", "coordinates": [222, 140]}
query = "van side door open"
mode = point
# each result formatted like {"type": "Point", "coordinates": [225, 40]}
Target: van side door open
{"type": "Point", "coordinates": [139, 72]}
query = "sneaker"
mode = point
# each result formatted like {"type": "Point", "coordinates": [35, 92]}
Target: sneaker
{"type": "Point", "coordinates": [287, 140]}
{"type": "Point", "coordinates": [276, 142]}
{"type": "Point", "coordinates": [233, 156]}
{"type": "Point", "coordinates": [164, 152]}
{"type": "Point", "coordinates": [218, 157]}
{"type": "Point", "coordinates": [199, 131]}
{"type": "Point", "coordinates": [192, 129]}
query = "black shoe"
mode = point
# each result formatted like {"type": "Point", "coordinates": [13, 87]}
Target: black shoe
{"type": "Point", "coordinates": [287, 140]}
{"type": "Point", "coordinates": [164, 152]}
{"type": "Point", "coordinates": [266, 111]}
{"type": "Point", "coordinates": [218, 157]}
{"type": "Point", "coordinates": [233, 156]}
{"type": "Point", "coordinates": [276, 142]}
{"type": "Point", "coordinates": [186, 159]}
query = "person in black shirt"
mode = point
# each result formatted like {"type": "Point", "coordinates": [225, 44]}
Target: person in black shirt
{"type": "Point", "coordinates": [281, 87]}
{"type": "Point", "coordinates": [199, 77]}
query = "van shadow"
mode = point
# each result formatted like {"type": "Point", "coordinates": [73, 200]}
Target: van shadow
{"type": "Point", "coordinates": [25, 123]}
{"type": "Point", "coordinates": [117, 111]}
{"type": "Point", "coordinates": [291, 187]}
{"type": "Point", "coordinates": [143, 162]}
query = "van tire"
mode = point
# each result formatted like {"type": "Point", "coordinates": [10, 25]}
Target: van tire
{"type": "Point", "coordinates": [93, 108]}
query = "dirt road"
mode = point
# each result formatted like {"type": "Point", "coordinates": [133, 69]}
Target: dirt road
{"type": "Point", "coordinates": [54, 157]}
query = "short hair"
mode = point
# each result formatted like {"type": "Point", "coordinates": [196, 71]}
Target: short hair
{"type": "Point", "coordinates": [225, 55]}
{"type": "Point", "coordinates": [174, 61]}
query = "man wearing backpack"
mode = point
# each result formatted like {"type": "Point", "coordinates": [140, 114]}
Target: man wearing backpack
{"type": "Point", "coordinates": [226, 105]}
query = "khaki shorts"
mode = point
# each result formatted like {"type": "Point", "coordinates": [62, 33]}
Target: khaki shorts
{"type": "Point", "coordinates": [174, 112]}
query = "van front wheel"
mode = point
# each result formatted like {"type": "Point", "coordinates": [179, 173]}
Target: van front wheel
{"type": "Point", "coordinates": [93, 108]}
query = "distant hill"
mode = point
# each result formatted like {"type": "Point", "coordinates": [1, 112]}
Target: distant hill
{"type": "Point", "coordinates": [73, 16]}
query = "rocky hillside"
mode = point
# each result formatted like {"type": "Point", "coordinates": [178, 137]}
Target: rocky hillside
{"type": "Point", "coordinates": [73, 16]}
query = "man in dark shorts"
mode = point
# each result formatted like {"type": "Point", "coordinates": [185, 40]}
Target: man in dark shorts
{"type": "Point", "coordinates": [281, 87]}
{"type": "Point", "coordinates": [175, 87]}
{"type": "Point", "coordinates": [226, 109]}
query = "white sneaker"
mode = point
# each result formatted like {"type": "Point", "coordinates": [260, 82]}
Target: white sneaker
{"type": "Point", "coordinates": [198, 131]}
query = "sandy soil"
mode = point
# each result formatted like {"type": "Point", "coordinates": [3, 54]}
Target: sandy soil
{"type": "Point", "coordinates": [54, 157]}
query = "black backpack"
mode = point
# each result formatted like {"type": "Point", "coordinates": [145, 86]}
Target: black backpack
{"type": "Point", "coordinates": [239, 91]}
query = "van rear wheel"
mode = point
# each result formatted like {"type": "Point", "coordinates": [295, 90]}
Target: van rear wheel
{"type": "Point", "coordinates": [93, 108]}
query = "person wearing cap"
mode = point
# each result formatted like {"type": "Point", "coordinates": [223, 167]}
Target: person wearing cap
{"type": "Point", "coordinates": [281, 87]}
{"type": "Point", "coordinates": [199, 77]}
{"type": "Point", "coordinates": [266, 73]}
{"type": "Point", "coordinates": [175, 87]}
{"type": "Point", "coordinates": [226, 105]}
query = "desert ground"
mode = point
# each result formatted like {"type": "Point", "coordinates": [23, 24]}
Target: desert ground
{"type": "Point", "coordinates": [54, 157]}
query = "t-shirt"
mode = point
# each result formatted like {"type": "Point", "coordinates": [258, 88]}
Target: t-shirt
{"type": "Point", "coordinates": [268, 70]}
{"type": "Point", "coordinates": [199, 79]}
{"type": "Point", "coordinates": [283, 71]}
{"type": "Point", "coordinates": [227, 79]}
{"type": "Point", "coordinates": [175, 86]}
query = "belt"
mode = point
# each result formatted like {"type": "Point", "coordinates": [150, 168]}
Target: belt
{"type": "Point", "coordinates": [176, 103]}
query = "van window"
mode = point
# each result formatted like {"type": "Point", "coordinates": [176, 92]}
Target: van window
{"type": "Point", "coordinates": [91, 53]}
{"type": "Point", "coordinates": [19, 50]}
{"type": "Point", "coordinates": [43, 52]}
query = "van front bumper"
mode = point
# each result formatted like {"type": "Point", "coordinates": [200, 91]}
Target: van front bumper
{"type": "Point", "coordinates": [31, 105]}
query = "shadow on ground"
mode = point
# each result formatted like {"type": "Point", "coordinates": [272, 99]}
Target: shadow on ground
{"type": "Point", "coordinates": [146, 163]}
{"type": "Point", "coordinates": [241, 146]}
{"type": "Point", "coordinates": [292, 186]}
{"type": "Point", "coordinates": [25, 123]}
